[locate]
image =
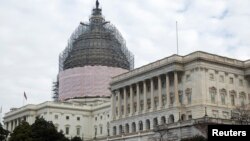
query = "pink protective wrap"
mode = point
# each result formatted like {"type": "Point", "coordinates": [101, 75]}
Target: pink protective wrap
{"type": "Point", "coordinates": [86, 81]}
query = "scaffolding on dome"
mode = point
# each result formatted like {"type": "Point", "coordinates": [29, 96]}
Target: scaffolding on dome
{"type": "Point", "coordinates": [84, 28]}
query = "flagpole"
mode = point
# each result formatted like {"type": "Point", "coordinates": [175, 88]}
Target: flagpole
{"type": "Point", "coordinates": [177, 44]}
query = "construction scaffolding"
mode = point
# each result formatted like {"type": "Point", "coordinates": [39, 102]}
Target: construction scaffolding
{"type": "Point", "coordinates": [96, 43]}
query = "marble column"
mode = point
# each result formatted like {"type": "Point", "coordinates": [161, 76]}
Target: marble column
{"type": "Point", "coordinates": [176, 94]}
{"type": "Point", "coordinates": [113, 105]}
{"type": "Point", "coordinates": [152, 93]}
{"type": "Point", "coordinates": [159, 92]}
{"type": "Point", "coordinates": [167, 91]}
{"type": "Point", "coordinates": [125, 101]}
{"type": "Point", "coordinates": [145, 95]}
{"type": "Point", "coordinates": [119, 103]}
{"type": "Point", "coordinates": [131, 100]}
{"type": "Point", "coordinates": [137, 97]}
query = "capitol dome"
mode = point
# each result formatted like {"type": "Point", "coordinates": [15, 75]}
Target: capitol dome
{"type": "Point", "coordinates": [97, 42]}
{"type": "Point", "coordinates": [95, 53]}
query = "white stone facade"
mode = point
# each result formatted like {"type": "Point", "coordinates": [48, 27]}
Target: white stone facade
{"type": "Point", "coordinates": [177, 88]}
{"type": "Point", "coordinates": [74, 119]}
{"type": "Point", "coordinates": [177, 92]}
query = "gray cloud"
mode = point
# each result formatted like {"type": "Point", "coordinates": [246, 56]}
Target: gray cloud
{"type": "Point", "coordinates": [34, 32]}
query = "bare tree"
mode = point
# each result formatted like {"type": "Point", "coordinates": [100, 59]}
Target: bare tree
{"type": "Point", "coordinates": [241, 114]}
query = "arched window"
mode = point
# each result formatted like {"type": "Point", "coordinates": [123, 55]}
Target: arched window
{"type": "Point", "coordinates": [155, 122]}
{"type": "Point", "coordinates": [140, 126]}
{"type": "Point", "coordinates": [147, 124]}
{"type": "Point", "coordinates": [120, 129]}
{"type": "Point", "coordinates": [67, 129]}
{"type": "Point", "coordinates": [127, 128]}
{"type": "Point", "coordinates": [133, 127]}
{"type": "Point", "coordinates": [100, 129]}
{"type": "Point", "coordinates": [232, 97]}
{"type": "Point", "coordinates": [183, 117]}
{"type": "Point", "coordinates": [212, 92]}
{"type": "Point", "coordinates": [242, 98]}
{"type": "Point", "coordinates": [171, 119]}
{"type": "Point", "coordinates": [223, 94]}
{"type": "Point", "coordinates": [163, 120]}
{"type": "Point", "coordinates": [114, 130]}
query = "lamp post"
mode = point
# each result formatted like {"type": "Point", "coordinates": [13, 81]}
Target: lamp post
{"type": "Point", "coordinates": [205, 111]}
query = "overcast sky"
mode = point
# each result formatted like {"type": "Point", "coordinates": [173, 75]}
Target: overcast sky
{"type": "Point", "coordinates": [34, 32]}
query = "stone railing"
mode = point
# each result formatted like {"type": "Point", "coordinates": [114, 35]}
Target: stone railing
{"type": "Point", "coordinates": [154, 65]}
{"type": "Point", "coordinates": [203, 120]}
{"type": "Point", "coordinates": [182, 59]}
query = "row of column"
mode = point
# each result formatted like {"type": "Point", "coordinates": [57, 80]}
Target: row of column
{"type": "Point", "coordinates": [11, 125]}
{"type": "Point", "coordinates": [116, 102]}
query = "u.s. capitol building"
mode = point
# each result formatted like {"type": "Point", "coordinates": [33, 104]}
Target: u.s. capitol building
{"type": "Point", "coordinates": [100, 96]}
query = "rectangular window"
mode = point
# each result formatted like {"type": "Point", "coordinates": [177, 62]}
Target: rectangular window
{"type": "Point", "coordinates": [231, 80]}
{"type": "Point", "coordinates": [67, 117]}
{"type": "Point", "coordinates": [148, 88]}
{"type": "Point", "coordinates": [221, 79]}
{"type": "Point", "coordinates": [242, 101]}
{"type": "Point", "coordinates": [135, 104]}
{"type": "Point", "coordinates": [223, 99]}
{"type": "Point", "coordinates": [95, 131]}
{"type": "Point", "coordinates": [213, 95]}
{"type": "Point", "coordinates": [67, 130]}
{"type": "Point", "coordinates": [163, 84]}
{"type": "Point", "coordinates": [232, 100]}
{"type": "Point", "coordinates": [100, 130]}
{"type": "Point", "coordinates": [188, 77]}
{"type": "Point", "coordinates": [78, 131]}
{"type": "Point", "coordinates": [181, 98]}
{"type": "Point", "coordinates": [211, 76]}
{"type": "Point", "coordinates": [56, 116]}
{"type": "Point", "coordinates": [189, 116]}
{"type": "Point", "coordinates": [241, 82]}
{"type": "Point", "coordinates": [78, 118]}
{"type": "Point", "coordinates": [155, 87]}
